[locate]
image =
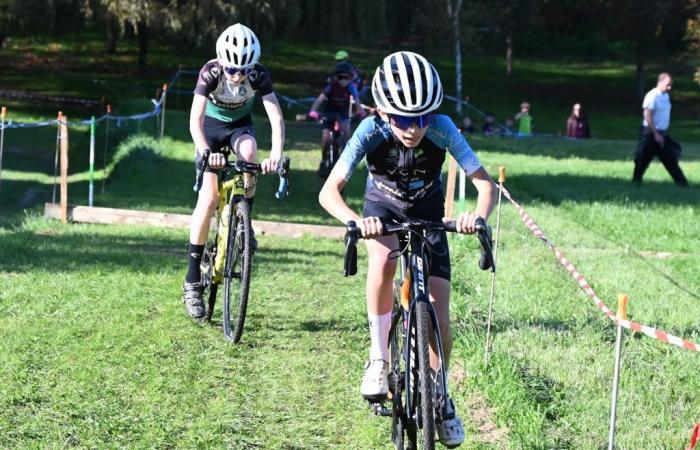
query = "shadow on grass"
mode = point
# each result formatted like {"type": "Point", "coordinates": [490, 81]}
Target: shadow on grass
{"type": "Point", "coordinates": [563, 148]}
{"type": "Point", "coordinates": [560, 188]}
{"type": "Point", "coordinates": [27, 251]}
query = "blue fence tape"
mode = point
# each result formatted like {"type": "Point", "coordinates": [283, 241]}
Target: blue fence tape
{"type": "Point", "coordinates": [302, 103]}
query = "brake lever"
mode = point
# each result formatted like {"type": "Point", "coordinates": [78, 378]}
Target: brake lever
{"type": "Point", "coordinates": [483, 232]}
{"type": "Point", "coordinates": [351, 237]}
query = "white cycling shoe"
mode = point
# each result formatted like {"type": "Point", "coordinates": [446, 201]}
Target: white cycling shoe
{"type": "Point", "coordinates": [451, 430]}
{"type": "Point", "coordinates": [375, 383]}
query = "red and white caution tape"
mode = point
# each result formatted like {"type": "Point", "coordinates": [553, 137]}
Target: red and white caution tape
{"type": "Point", "coordinates": [694, 438]}
{"type": "Point", "coordinates": [631, 325]}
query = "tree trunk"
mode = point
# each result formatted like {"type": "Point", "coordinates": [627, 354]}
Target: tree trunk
{"type": "Point", "coordinates": [453, 15]}
{"type": "Point", "coordinates": [639, 73]}
{"type": "Point", "coordinates": [111, 32]}
{"type": "Point", "coordinates": [142, 30]}
{"type": "Point", "coordinates": [458, 64]}
{"type": "Point", "coordinates": [509, 55]}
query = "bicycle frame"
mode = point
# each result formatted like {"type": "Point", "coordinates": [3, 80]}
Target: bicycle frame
{"type": "Point", "coordinates": [231, 185]}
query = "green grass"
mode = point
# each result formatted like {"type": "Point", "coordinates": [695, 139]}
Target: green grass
{"type": "Point", "coordinates": [102, 355]}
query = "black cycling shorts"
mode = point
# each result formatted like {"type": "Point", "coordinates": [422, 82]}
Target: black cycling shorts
{"type": "Point", "coordinates": [330, 118]}
{"type": "Point", "coordinates": [219, 134]}
{"type": "Point", "coordinates": [433, 209]}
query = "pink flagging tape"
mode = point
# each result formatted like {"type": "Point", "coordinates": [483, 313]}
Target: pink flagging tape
{"type": "Point", "coordinates": [631, 325]}
{"type": "Point", "coordinates": [694, 438]}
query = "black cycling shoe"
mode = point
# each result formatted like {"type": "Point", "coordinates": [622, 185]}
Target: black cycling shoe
{"type": "Point", "coordinates": [192, 298]}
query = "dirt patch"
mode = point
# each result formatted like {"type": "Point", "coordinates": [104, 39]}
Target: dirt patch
{"type": "Point", "coordinates": [479, 412]}
{"type": "Point", "coordinates": [482, 417]}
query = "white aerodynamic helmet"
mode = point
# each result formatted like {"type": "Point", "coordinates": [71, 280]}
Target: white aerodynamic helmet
{"type": "Point", "coordinates": [406, 84]}
{"type": "Point", "coordinates": [238, 47]}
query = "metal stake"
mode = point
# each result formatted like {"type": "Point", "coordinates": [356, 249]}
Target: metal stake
{"type": "Point", "coordinates": [501, 180]}
{"type": "Point", "coordinates": [621, 315]}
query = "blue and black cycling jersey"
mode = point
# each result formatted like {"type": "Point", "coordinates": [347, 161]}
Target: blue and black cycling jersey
{"type": "Point", "coordinates": [400, 174]}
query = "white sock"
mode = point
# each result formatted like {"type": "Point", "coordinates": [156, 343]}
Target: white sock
{"type": "Point", "coordinates": [379, 328]}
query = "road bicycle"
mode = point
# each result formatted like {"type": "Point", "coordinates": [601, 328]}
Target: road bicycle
{"type": "Point", "coordinates": [418, 395]}
{"type": "Point", "coordinates": [228, 253]}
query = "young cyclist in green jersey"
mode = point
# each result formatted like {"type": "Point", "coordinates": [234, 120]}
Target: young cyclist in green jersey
{"type": "Point", "coordinates": [220, 117]}
{"type": "Point", "coordinates": [404, 147]}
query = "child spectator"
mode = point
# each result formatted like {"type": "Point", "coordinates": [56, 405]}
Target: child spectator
{"type": "Point", "coordinates": [467, 125]}
{"type": "Point", "coordinates": [489, 128]}
{"type": "Point", "coordinates": [525, 120]}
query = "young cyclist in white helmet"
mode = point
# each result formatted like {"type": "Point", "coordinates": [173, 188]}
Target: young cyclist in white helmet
{"type": "Point", "coordinates": [404, 146]}
{"type": "Point", "coordinates": [220, 117]}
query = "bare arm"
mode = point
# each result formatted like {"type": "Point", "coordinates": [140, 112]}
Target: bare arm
{"type": "Point", "coordinates": [466, 221]}
{"type": "Point", "coordinates": [199, 104]}
{"type": "Point", "coordinates": [274, 113]}
{"type": "Point", "coordinates": [331, 200]}
{"type": "Point", "coordinates": [648, 115]}
{"type": "Point", "coordinates": [486, 189]}
{"type": "Point", "coordinates": [317, 103]}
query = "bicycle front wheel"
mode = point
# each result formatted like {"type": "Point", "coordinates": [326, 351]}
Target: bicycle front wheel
{"type": "Point", "coordinates": [396, 371]}
{"type": "Point", "coordinates": [237, 269]}
{"type": "Point", "coordinates": [425, 408]}
{"type": "Point", "coordinates": [206, 267]}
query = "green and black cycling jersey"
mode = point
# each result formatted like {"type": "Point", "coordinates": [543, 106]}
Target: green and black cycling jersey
{"type": "Point", "coordinates": [228, 102]}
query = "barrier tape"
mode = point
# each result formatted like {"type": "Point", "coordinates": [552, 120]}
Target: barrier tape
{"type": "Point", "coordinates": [694, 438]}
{"type": "Point", "coordinates": [629, 324]}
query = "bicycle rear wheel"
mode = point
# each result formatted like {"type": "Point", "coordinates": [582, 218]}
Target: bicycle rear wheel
{"type": "Point", "coordinates": [237, 269]}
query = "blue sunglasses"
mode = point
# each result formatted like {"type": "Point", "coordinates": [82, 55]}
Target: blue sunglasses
{"type": "Point", "coordinates": [404, 122]}
{"type": "Point", "coordinates": [233, 70]}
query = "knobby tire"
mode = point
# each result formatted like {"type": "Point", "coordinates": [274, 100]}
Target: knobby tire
{"type": "Point", "coordinates": [237, 269]}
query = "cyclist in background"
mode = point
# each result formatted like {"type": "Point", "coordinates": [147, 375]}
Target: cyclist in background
{"type": "Point", "coordinates": [357, 76]}
{"type": "Point", "coordinates": [337, 96]}
{"type": "Point", "coordinates": [404, 147]}
{"type": "Point", "coordinates": [220, 117]}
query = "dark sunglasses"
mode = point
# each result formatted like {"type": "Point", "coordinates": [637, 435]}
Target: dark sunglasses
{"type": "Point", "coordinates": [404, 122]}
{"type": "Point", "coordinates": [343, 77]}
{"type": "Point", "coordinates": [233, 70]}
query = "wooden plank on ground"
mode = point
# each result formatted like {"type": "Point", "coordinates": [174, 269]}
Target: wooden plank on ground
{"type": "Point", "coordinates": [113, 216]}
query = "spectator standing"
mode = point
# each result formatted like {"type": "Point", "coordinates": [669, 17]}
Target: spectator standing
{"type": "Point", "coordinates": [525, 120]}
{"type": "Point", "coordinates": [577, 125]}
{"type": "Point", "coordinates": [654, 139]}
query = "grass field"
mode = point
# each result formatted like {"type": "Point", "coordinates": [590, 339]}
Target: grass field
{"type": "Point", "coordinates": [97, 352]}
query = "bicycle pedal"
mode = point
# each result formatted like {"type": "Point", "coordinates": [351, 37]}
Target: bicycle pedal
{"type": "Point", "coordinates": [380, 410]}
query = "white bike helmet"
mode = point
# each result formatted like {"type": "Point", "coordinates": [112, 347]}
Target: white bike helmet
{"type": "Point", "coordinates": [238, 47]}
{"type": "Point", "coordinates": [406, 84]}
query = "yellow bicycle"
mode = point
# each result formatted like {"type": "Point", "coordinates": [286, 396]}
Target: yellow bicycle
{"type": "Point", "coordinates": [228, 253]}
